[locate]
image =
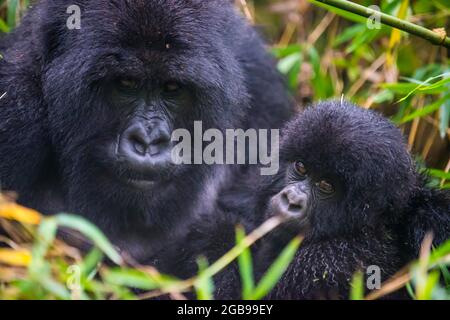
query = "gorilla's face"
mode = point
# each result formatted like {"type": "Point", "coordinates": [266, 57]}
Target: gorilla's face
{"type": "Point", "coordinates": [345, 169]}
{"type": "Point", "coordinates": [307, 196]}
{"type": "Point", "coordinates": [119, 86]}
{"type": "Point", "coordinates": [139, 155]}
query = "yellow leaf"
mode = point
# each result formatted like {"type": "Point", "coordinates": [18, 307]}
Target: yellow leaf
{"type": "Point", "coordinates": [16, 212]}
{"type": "Point", "coordinates": [18, 258]}
{"type": "Point", "coordinates": [396, 34]}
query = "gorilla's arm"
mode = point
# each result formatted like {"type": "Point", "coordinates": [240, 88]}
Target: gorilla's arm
{"type": "Point", "coordinates": [430, 212]}
{"type": "Point", "coordinates": [24, 143]}
{"type": "Point", "coordinates": [23, 140]}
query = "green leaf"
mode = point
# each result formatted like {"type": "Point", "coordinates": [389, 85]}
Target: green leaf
{"type": "Point", "coordinates": [444, 117]}
{"type": "Point", "coordinates": [281, 52]}
{"type": "Point", "coordinates": [399, 87]}
{"type": "Point", "coordinates": [419, 113]}
{"type": "Point", "coordinates": [349, 33]}
{"type": "Point", "coordinates": [276, 270]}
{"type": "Point", "coordinates": [440, 252]}
{"type": "Point", "coordinates": [288, 63]}
{"type": "Point", "coordinates": [439, 174]}
{"type": "Point", "coordinates": [4, 26]}
{"type": "Point", "coordinates": [425, 88]}
{"type": "Point", "coordinates": [12, 13]}
{"type": "Point", "coordinates": [410, 291]}
{"type": "Point", "coordinates": [45, 235]}
{"type": "Point", "coordinates": [55, 288]}
{"type": "Point", "coordinates": [357, 287]}
{"type": "Point", "coordinates": [131, 278]}
{"type": "Point", "coordinates": [431, 282]}
{"type": "Point", "coordinates": [363, 38]}
{"type": "Point", "coordinates": [245, 266]}
{"type": "Point", "coordinates": [204, 285]}
{"type": "Point", "coordinates": [383, 96]}
{"type": "Point", "coordinates": [91, 232]}
{"type": "Point", "coordinates": [322, 84]}
{"type": "Point", "coordinates": [91, 261]}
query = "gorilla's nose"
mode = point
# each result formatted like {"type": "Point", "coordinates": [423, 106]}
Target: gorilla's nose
{"type": "Point", "coordinates": [290, 202]}
{"type": "Point", "coordinates": [145, 144]}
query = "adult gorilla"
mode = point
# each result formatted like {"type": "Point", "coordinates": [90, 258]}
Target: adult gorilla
{"type": "Point", "coordinates": [86, 115]}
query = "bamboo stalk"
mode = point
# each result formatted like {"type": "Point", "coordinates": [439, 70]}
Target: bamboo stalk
{"type": "Point", "coordinates": [436, 38]}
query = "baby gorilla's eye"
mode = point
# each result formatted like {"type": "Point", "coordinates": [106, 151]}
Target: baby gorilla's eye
{"type": "Point", "coordinates": [172, 87]}
{"type": "Point", "coordinates": [325, 187]}
{"type": "Point", "coordinates": [126, 83]}
{"type": "Point", "coordinates": [300, 168]}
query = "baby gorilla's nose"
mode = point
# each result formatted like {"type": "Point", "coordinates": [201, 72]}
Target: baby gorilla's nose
{"type": "Point", "coordinates": [290, 202]}
{"type": "Point", "coordinates": [294, 200]}
{"type": "Point", "coordinates": [145, 144]}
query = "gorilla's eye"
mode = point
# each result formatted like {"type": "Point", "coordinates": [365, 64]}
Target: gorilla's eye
{"type": "Point", "coordinates": [125, 83]}
{"type": "Point", "coordinates": [300, 168]}
{"type": "Point", "coordinates": [172, 87]}
{"type": "Point", "coordinates": [325, 187]}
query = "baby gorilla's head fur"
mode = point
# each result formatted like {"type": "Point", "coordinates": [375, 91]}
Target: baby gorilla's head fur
{"type": "Point", "coordinates": [344, 169]}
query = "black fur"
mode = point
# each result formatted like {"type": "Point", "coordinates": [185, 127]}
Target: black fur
{"type": "Point", "coordinates": [55, 122]}
{"type": "Point", "coordinates": [378, 214]}
{"type": "Point", "coordinates": [382, 210]}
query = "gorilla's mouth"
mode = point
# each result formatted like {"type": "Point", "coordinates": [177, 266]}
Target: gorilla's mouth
{"type": "Point", "coordinates": [142, 181]}
{"type": "Point", "coordinates": [127, 176]}
{"type": "Point", "coordinates": [139, 183]}
{"type": "Point", "coordinates": [136, 176]}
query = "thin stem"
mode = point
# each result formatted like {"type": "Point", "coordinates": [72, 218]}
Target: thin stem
{"type": "Point", "coordinates": [433, 37]}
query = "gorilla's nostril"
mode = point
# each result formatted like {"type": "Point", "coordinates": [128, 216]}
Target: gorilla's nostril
{"type": "Point", "coordinates": [295, 208]}
{"type": "Point", "coordinates": [140, 146]}
{"type": "Point", "coordinates": [159, 142]}
{"type": "Point", "coordinates": [284, 199]}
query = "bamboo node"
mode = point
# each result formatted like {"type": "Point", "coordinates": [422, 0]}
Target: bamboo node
{"type": "Point", "coordinates": [442, 33]}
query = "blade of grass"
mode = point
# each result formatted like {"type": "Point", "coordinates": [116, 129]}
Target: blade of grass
{"type": "Point", "coordinates": [204, 287]}
{"type": "Point", "coordinates": [245, 266]}
{"type": "Point", "coordinates": [276, 270]}
{"type": "Point", "coordinates": [91, 232]}
{"type": "Point", "coordinates": [357, 287]}
{"type": "Point", "coordinates": [132, 278]}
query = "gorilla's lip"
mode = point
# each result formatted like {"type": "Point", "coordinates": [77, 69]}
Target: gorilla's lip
{"type": "Point", "coordinates": [140, 180]}
{"type": "Point", "coordinates": [140, 183]}
{"type": "Point", "coordinates": [128, 178]}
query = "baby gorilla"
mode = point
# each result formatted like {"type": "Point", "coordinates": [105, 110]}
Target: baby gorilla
{"type": "Point", "coordinates": [349, 185]}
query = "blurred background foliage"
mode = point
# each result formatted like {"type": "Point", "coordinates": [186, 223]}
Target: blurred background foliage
{"type": "Point", "coordinates": [328, 53]}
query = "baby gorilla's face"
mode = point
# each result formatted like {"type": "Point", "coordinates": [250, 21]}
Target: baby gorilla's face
{"type": "Point", "coordinates": [305, 193]}
{"type": "Point", "coordinates": [345, 169]}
